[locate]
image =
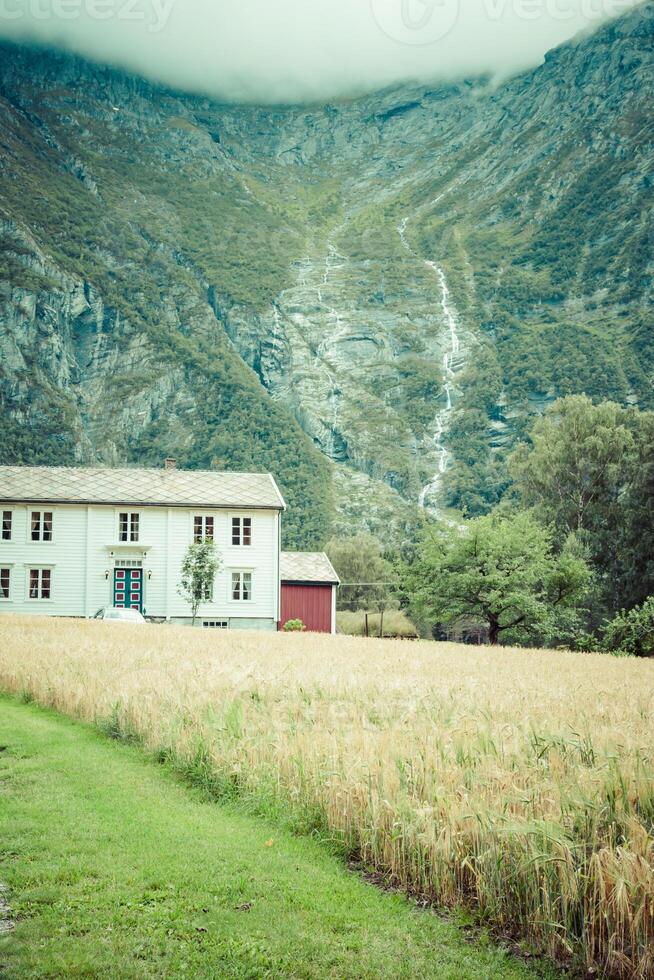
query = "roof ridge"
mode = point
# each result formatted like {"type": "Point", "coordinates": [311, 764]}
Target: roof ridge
{"type": "Point", "coordinates": [133, 469]}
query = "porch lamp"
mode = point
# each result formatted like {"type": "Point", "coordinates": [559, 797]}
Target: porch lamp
{"type": "Point", "coordinates": [106, 573]}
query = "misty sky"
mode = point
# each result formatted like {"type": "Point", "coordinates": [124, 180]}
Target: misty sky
{"type": "Point", "coordinates": [294, 50]}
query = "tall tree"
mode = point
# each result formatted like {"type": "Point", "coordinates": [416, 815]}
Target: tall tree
{"type": "Point", "coordinates": [588, 469]}
{"type": "Point", "coordinates": [575, 469]}
{"type": "Point", "coordinates": [367, 578]}
{"type": "Point", "coordinates": [501, 572]}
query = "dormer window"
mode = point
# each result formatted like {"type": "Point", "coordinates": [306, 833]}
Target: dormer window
{"type": "Point", "coordinates": [41, 525]}
{"type": "Point", "coordinates": [129, 527]}
{"type": "Point", "coordinates": [242, 531]}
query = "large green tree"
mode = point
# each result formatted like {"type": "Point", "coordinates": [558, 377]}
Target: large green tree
{"type": "Point", "coordinates": [589, 469]}
{"type": "Point", "coordinates": [575, 467]}
{"type": "Point", "coordinates": [502, 572]}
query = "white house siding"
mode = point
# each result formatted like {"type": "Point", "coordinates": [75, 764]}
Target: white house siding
{"type": "Point", "coordinates": [65, 555]}
{"type": "Point", "coordinates": [85, 549]}
{"type": "Point", "coordinates": [260, 558]}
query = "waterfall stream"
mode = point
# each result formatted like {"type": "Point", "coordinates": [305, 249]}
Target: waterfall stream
{"type": "Point", "coordinates": [430, 492]}
{"type": "Point", "coordinates": [333, 261]}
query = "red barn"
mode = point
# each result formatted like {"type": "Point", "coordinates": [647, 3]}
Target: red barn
{"type": "Point", "coordinates": [309, 585]}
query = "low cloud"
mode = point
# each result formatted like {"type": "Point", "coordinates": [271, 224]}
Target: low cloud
{"type": "Point", "coordinates": [300, 50]}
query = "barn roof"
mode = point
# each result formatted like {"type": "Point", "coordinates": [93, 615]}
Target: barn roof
{"type": "Point", "coordinates": [307, 566]}
{"type": "Point", "coordinates": [139, 487]}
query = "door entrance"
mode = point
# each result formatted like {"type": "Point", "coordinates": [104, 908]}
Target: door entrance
{"type": "Point", "coordinates": [128, 588]}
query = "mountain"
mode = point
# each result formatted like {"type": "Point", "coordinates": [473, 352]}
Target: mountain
{"type": "Point", "coordinates": [372, 298]}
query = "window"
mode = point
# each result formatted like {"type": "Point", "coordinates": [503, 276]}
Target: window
{"type": "Point", "coordinates": [215, 624]}
{"type": "Point", "coordinates": [6, 525]}
{"type": "Point", "coordinates": [242, 531]}
{"type": "Point", "coordinates": [5, 582]}
{"type": "Point", "coordinates": [40, 583]}
{"type": "Point", "coordinates": [242, 586]}
{"type": "Point", "coordinates": [203, 529]}
{"type": "Point", "coordinates": [129, 527]}
{"type": "Point", "coordinates": [41, 525]}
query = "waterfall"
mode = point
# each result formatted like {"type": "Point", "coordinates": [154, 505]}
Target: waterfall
{"type": "Point", "coordinates": [431, 491]}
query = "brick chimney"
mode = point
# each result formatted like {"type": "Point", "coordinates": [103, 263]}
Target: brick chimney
{"type": "Point", "coordinates": [170, 463]}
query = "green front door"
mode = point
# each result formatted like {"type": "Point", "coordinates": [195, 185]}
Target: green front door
{"type": "Point", "coordinates": [128, 588]}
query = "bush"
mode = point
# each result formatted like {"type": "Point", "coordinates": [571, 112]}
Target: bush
{"type": "Point", "coordinates": [632, 633]}
{"type": "Point", "coordinates": [294, 626]}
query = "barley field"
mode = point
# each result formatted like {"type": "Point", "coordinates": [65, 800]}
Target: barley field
{"type": "Point", "coordinates": [516, 783]}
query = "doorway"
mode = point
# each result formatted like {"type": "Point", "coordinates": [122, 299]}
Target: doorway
{"type": "Point", "coordinates": [128, 588]}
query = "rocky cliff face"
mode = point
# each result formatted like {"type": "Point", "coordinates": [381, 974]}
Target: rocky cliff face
{"type": "Point", "coordinates": [375, 294]}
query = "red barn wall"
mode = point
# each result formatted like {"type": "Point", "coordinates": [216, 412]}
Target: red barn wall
{"type": "Point", "coordinates": [310, 603]}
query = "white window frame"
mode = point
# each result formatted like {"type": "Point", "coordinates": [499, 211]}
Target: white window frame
{"type": "Point", "coordinates": [9, 565]}
{"type": "Point", "coordinates": [39, 568]}
{"type": "Point", "coordinates": [41, 513]}
{"type": "Point", "coordinates": [241, 572]}
{"type": "Point", "coordinates": [240, 518]}
{"type": "Point", "coordinates": [199, 515]}
{"type": "Point", "coordinates": [131, 514]}
{"type": "Point", "coordinates": [11, 513]}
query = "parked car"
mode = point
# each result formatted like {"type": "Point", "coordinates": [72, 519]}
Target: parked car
{"type": "Point", "coordinates": [111, 614]}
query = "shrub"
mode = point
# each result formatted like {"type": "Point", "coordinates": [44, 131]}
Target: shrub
{"type": "Point", "coordinates": [632, 633]}
{"type": "Point", "coordinates": [294, 626]}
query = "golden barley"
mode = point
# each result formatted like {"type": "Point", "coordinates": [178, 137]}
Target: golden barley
{"type": "Point", "coordinates": [518, 782]}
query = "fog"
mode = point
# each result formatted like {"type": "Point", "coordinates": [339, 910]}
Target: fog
{"type": "Point", "coordinates": [300, 50]}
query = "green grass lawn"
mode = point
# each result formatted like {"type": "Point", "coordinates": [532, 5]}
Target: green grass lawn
{"type": "Point", "coordinates": [116, 869]}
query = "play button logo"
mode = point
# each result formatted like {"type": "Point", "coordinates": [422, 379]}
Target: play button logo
{"type": "Point", "coordinates": [417, 22]}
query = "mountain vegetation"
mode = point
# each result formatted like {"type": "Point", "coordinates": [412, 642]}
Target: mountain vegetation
{"type": "Point", "coordinates": [260, 287]}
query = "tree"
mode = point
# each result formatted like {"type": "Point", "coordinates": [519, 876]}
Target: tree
{"type": "Point", "coordinates": [503, 573]}
{"type": "Point", "coordinates": [589, 469]}
{"type": "Point", "coordinates": [368, 578]}
{"type": "Point", "coordinates": [635, 534]}
{"type": "Point", "coordinates": [632, 632]}
{"type": "Point", "coordinates": [199, 567]}
{"type": "Point", "coordinates": [575, 469]}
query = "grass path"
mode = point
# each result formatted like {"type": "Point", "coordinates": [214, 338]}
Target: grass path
{"type": "Point", "coordinates": [117, 870]}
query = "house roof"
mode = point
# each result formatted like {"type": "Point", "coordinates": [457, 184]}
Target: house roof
{"type": "Point", "coordinates": [306, 566]}
{"type": "Point", "coordinates": [139, 487]}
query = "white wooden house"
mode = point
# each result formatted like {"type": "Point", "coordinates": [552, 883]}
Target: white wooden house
{"type": "Point", "coordinates": [75, 540]}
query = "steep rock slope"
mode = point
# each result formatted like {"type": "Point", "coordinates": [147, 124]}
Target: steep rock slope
{"type": "Point", "coordinates": [376, 293]}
